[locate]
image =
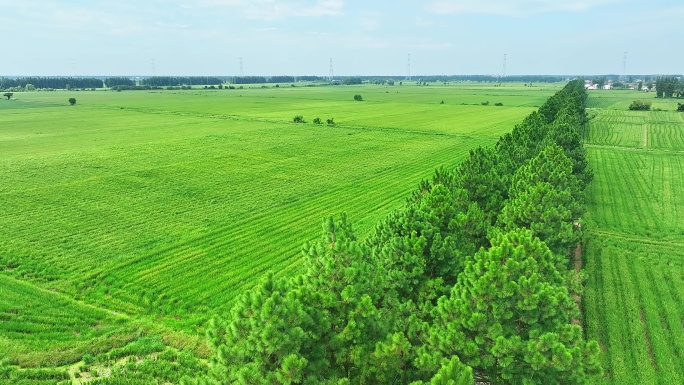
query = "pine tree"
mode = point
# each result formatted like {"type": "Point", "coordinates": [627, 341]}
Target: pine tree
{"type": "Point", "coordinates": [509, 317]}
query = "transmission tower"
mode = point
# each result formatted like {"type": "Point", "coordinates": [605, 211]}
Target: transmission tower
{"type": "Point", "coordinates": [242, 72]}
{"type": "Point", "coordinates": [408, 67]}
{"type": "Point", "coordinates": [503, 70]}
{"type": "Point", "coordinates": [624, 64]}
{"type": "Point", "coordinates": [331, 74]}
{"type": "Point", "coordinates": [154, 70]}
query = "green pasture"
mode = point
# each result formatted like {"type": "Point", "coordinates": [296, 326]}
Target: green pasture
{"type": "Point", "coordinates": [634, 302]}
{"type": "Point", "coordinates": [162, 206]}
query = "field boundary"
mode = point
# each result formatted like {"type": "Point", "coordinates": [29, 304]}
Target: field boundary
{"type": "Point", "coordinates": [639, 149]}
{"type": "Point", "coordinates": [636, 238]}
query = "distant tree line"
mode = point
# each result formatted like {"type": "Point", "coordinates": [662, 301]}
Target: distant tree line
{"type": "Point", "coordinates": [118, 81]}
{"type": "Point", "coordinates": [473, 280]}
{"type": "Point", "coordinates": [669, 87]}
{"type": "Point", "coordinates": [163, 81]}
{"type": "Point", "coordinates": [50, 82]}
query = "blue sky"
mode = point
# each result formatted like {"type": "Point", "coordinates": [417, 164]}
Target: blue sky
{"type": "Point", "coordinates": [298, 37]}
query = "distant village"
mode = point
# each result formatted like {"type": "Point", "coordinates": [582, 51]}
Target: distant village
{"type": "Point", "coordinates": [603, 84]}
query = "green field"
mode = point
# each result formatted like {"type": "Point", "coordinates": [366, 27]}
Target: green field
{"type": "Point", "coordinates": [139, 208]}
{"type": "Point", "coordinates": [634, 304]}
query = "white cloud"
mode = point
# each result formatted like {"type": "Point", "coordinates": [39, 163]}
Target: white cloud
{"type": "Point", "coordinates": [517, 8]}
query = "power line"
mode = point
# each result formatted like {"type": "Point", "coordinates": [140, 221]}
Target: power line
{"type": "Point", "coordinates": [331, 74]}
{"type": "Point", "coordinates": [408, 67]}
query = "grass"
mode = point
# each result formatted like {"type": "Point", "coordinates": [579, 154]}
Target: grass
{"type": "Point", "coordinates": [31, 318]}
{"type": "Point", "coordinates": [163, 206]}
{"type": "Point", "coordinates": [634, 302]}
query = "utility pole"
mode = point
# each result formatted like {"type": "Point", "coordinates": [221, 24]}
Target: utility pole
{"type": "Point", "coordinates": [331, 74]}
{"type": "Point", "coordinates": [408, 66]}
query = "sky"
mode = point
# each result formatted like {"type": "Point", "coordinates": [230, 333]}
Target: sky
{"type": "Point", "coordinates": [362, 37]}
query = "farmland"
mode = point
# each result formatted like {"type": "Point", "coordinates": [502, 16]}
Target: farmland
{"type": "Point", "coordinates": [138, 208]}
{"type": "Point", "coordinates": [635, 291]}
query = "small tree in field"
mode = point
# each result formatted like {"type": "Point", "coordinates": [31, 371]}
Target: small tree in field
{"type": "Point", "coordinates": [8, 95]}
{"type": "Point", "coordinates": [317, 120]}
{"type": "Point", "coordinates": [639, 105]}
{"type": "Point", "coordinates": [331, 122]}
{"type": "Point", "coordinates": [72, 101]}
{"type": "Point", "coordinates": [358, 98]}
{"type": "Point", "coordinates": [680, 107]}
{"type": "Point", "coordinates": [298, 119]}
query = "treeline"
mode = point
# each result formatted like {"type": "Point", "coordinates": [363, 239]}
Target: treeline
{"type": "Point", "coordinates": [163, 81]}
{"type": "Point", "coordinates": [50, 82]}
{"type": "Point", "coordinates": [491, 78]}
{"type": "Point", "coordinates": [669, 87]}
{"type": "Point", "coordinates": [470, 281]}
{"type": "Point", "coordinates": [119, 81]}
{"type": "Point", "coordinates": [273, 79]}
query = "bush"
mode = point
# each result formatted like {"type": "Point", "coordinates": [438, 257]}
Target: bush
{"type": "Point", "coordinates": [72, 101]}
{"type": "Point", "coordinates": [298, 119]}
{"type": "Point", "coordinates": [639, 105]}
{"type": "Point", "coordinates": [498, 104]}
{"type": "Point", "coordinates": [485, 103]}
{"type": "Point", "coordinates": [317, 120]}
{"type": "Point", "coordinates": [88, 359]}
{"type": "Point", "coordinates": [680, 107]}
{"type": "Point", "coordinates": [358, 98]}
{"type": "Point", "coordinates": [331, 122]}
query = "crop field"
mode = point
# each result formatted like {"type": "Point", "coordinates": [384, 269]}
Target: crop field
{"type": "Point", "coordinates": [138, 208]}
{"type": "Point", "coordinates": [634, 302]}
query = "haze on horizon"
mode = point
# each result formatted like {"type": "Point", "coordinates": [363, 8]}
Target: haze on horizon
{"type": "Point", "coordinates": [298, 37]}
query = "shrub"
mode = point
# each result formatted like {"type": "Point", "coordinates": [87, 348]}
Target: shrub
{"type": "Point", "coordinates": [331, 122]}
{"type": "Point", "coordinates": [72, 101]}
{"type": "Point", "coordinates": [358, 98]}
{"type": "Point", "coordinates": [442, 102]}
{"type": "Point", "coordinates": [498, 104]}
{"type": "Point", "coordinates": [88, 359]}
{"type": "Point", "coordinates": [298, 119]}
{"type": "Point", "coordinates": [639, 105]}
{"type": "Point", "coordinates": [485, 103]}
{"type": "Point", "coordinates": [317, 120]}
{"type": "Point", "coordinates": [680, 107]}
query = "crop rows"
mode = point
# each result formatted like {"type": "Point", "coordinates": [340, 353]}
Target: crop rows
{"type": "Point", "coordinates": [634, 302]}
{"type": "Point", "coordinates": [32, 318]}
{"type": "Point", "coordinates": [637, 313]}
{"type": "Point", "coordinates": [151, 212]}
{"type": "Point", "coordinates": [638, 192]}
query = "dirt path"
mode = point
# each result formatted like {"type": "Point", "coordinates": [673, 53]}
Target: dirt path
{"type": "Point", "coordinates": [645, 135]}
